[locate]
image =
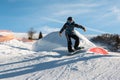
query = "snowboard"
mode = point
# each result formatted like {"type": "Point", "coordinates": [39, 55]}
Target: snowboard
{"type": "Point", "coordinates": [77, 52]}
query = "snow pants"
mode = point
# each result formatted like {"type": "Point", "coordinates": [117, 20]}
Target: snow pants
{"type": "Point", "coordinates": [69, 41]}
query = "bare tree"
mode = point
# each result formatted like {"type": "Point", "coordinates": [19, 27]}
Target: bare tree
{"type": "Point", "coordinates": [31, 32]}
{"type": "Point", "coordinates": [117, 45]}
{"type": "Point", "coordinates": [111, 41]}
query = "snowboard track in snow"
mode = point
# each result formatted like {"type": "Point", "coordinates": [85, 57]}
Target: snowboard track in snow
{"type": "Point", "coordinates": [19, 62]}
{"type": "Point", "coordinates": [40, 69]}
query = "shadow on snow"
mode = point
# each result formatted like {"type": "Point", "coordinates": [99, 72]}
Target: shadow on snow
{"type": "Point", "coordinates": [44, 65]}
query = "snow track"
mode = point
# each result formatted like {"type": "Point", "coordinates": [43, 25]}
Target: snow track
{"type": "Point", "coordinates": [19, 62]}
{"type": "Point", "coordinates": [40, 66]}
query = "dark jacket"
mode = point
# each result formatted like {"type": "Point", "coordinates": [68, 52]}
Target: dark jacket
{"type": "Point", "coordinates": [69, 28]}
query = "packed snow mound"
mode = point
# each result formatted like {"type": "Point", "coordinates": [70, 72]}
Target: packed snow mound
{"type": "Point", "coordinates": [50, 42]}
{"type": "Point", "coordinates": [53, 41]}
{"type": "Point", "coordinates": [6, 35]}
{"type": "Point", "coordinates": [84, 41]}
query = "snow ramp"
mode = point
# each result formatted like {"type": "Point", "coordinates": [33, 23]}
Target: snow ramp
{"type": "Point", "coordinates": [53, 41]}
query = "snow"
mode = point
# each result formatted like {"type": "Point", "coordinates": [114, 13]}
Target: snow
{"type": "Point", "coordinates": [20, 61]}
{"type": "Point", "coordinates": [14, 48]}
{"type": "Point", "coordinates": [5, 33]}
{"type": "Point", "coordinates": [54, 41]}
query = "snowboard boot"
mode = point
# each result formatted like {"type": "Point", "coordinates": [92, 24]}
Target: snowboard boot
{"type": "Point", "coordinates": [78, 48]}
{"type": "Point", "coordinates": [71, 50]}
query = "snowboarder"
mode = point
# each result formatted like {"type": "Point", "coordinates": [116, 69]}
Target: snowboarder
{"type": "Point", "coordinates": [69, 32]}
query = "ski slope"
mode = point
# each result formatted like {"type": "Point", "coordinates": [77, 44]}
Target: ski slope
{"type": "Point", "coordinates": [32, 61]}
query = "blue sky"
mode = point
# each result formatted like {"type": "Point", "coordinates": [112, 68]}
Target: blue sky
{"type": "Point", "coordinates": [98, 16]}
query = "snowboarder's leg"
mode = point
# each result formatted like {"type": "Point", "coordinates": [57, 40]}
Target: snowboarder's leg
{"type": "Point", "coordinates": [69, 42]}
{"type": "Point", "coordinates": [76, 41]}
{"type": "Point", "coordinates": [70, 46]}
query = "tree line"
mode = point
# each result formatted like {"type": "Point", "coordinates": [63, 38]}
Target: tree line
{"type": "Point", "coordinates": [110, 41]}
{"type": "Point", "coordinates": [31, 34]}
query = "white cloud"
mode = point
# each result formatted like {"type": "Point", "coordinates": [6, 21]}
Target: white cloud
{"type": "Point", "coordinates": [48, 29]}
{"type": "Point", "coordinates": [76, 5]}
{"type": "Point", "coordinates": [116, 11]}
{"type": "Point", "coordinates": [52, 20]}
{"type": "Point", "coordinates": [72, 9]}
{"type": "Point", "coordinates": [72, 12]}
{"type": "Point", "coordinates": [96, 30]}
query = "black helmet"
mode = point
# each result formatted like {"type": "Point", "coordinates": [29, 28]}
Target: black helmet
{"type": "Point", "coordinates": [69, 18]}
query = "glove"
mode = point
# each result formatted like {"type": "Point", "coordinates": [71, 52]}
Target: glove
{"type": "Point", "coordinates": [84, 29]}
{"type": "Point", "coordinates": [60, 34]}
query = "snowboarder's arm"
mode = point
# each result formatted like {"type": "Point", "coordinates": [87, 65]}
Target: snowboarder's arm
{"type": "Point", "coordinates": [63, 28]}
{"type": "Point", "coordinates": [80, 26]}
